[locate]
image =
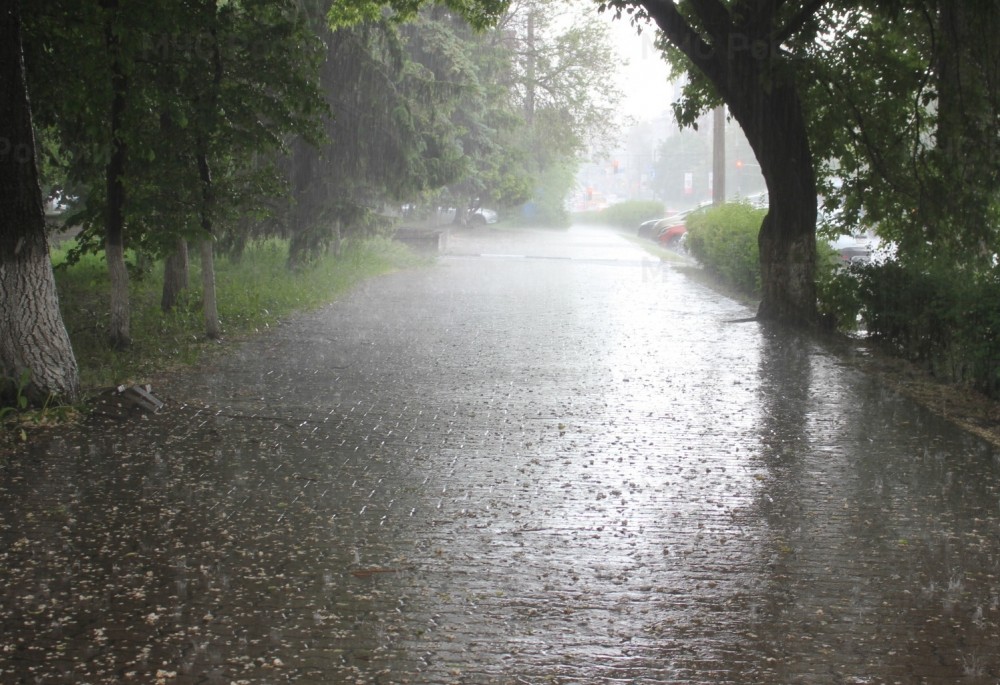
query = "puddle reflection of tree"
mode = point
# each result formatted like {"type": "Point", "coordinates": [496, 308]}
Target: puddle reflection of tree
{"type": "Point", "coordinates": [857, 516]}
{"type": "Point", "coordinates": [805, 409]}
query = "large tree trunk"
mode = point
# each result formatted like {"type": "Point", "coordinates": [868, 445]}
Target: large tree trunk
{"type": "Point", "coordinates": [175, 275]}
{"type": "Point", "coordinates": [739, 53]}
{"type": "Point", "coordinates": [775, 127]}
{"type": "Point", "coordinates": [114, 227]}
{"type": "Point", "coordinates": [33, 339]}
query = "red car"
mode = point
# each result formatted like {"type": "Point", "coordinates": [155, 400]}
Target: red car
{"type": "Point", "coordinates": [670, 229]}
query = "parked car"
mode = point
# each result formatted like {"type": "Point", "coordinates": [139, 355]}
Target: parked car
{"type": "Point", "coordinates": [862, 248]}
{"type": "Point", "coordinates": [646, 228]}
{"type": "Point", "coordinates": [852, 248]}
{"type": "Point", "coordinates": [482, 216]}
{"type": "Point", "coordinates": [671, 230]}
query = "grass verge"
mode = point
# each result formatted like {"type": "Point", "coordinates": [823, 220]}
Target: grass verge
{"type": "Point", "coordinates": [253, 294]}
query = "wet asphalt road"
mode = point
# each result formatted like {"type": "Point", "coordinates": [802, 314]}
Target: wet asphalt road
{"type": "Point", "coordinates": [547, 459]}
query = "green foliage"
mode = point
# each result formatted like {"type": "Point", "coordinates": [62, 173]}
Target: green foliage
{"type": "Point", "coordinates": [547, 206]}
{"type": "Point", "coordinates": [724, 240]}
{"type": "Point", "coordinates": [532, 96]}
{"type": "Point", "coordinates": [836, 288]}
{"type": "Point", "coordinates": [926, 311]}
{"type": "Point", "coordinates": [346, 13]}
{"type": "Point", "coordinates": [903, 109]}
{"type": "Point", "coordinates": [629, 215]}
{"type": "Point", "coordinates": [16, 389]}
{"type": "Point", "coordinates": [253, 294]}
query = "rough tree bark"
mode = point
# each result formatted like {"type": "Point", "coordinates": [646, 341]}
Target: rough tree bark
{"type": "Point", "coordinates": [737, 49]}
{"type": "Point", "coordinates": [33, 339]}
{"type": "Point", "coordinates": [775, 127]}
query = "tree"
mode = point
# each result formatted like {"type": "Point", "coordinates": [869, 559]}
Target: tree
{"type": "Point", "coordinates": [33, 340]}
{"type": "Point", "coordinates": [103, 109]}
{"type": "Point", "coordinates": [904, 102]}
{"type": "Point", "coordinates": [736, 54]}
{"type": "Point", "coordinates": [114, 177]}
{"type": "Point", "coordinates": [537, 92]}
{"type": "Point", "coordinates": [197, 93]}
{"type": "Point", "coordinates": [380, 141]}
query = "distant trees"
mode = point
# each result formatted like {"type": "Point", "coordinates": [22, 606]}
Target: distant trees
{"type": "Point", "coordinates": [202, 123]}
{"type": "Point", "coordinates": [560, 77]}
{"type": "Point", "coordinates": [889, 109]}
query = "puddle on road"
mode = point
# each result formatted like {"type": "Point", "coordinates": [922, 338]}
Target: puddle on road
{"type": "Point", "coordinates": [580, 474]}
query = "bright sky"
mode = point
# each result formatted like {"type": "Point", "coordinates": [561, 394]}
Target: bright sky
{"type": "Point", "coordinates": [644, 79]}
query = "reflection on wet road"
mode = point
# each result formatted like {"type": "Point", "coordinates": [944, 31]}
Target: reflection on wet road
{"type": "Point", "coordinates": [548, 459]}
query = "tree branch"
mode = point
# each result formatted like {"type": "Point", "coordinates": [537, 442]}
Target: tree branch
{"type": "Point", "coordinates": [714, 15]}
{"type": "Point", "coordinates": [706, 57]}
{"type": "Point", "coordinates": [797, 20]}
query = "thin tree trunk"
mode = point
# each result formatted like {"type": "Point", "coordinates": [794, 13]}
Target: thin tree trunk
{"type": "Point", "coordinates": [114, 227]}
{"type": "Point", "coordinates": [213, 329]}
{"type": "Point", "coordinates": [175, 275]}
{"type": "Point", "coordinates": [530, 67]}
{"type": "Point", "coordinates": [210, 305]}
{"type": "Point", "coordinates": [308, 237]}
{"type": "Point", "coordinates": [33, 338]}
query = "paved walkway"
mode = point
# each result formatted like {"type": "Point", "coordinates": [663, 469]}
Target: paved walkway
{"type": "Point", "coordinates": [548, 459]}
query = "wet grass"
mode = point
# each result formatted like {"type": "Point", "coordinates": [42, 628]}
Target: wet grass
{"type": "Point", "coordinates": [253, 293]}
{"type": "Point", "coordinates": [662, 253]}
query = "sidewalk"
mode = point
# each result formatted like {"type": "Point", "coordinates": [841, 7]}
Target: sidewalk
{"type": "Point", "coordinates": [556, 463]}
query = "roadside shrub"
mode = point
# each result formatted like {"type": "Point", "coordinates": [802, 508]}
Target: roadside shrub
{"type": "Point", "coordinates": [930, 312]}
{"type": "Point", "coordinates": [630, 214]}
{"type": "Point", "coordinates": [546, 207]}
{"type": "Point", "coordinates": [836, 288]}
{"type": "Point", "coordinates": [724, 240]}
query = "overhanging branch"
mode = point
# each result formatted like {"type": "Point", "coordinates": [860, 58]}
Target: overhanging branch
{"type": "Point", "coordinates": [705, 57]}
{"type": "Point", "coordinates": [798, 20]}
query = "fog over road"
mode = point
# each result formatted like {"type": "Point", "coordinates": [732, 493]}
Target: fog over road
{"type": "Point", "coordinates": [549, 458]}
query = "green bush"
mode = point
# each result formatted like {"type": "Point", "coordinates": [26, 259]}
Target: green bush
{"type": "Point", "coordinates": [928, 311]}
{"type": "Point", "coordinates": [724, 240]}
{"type": "Point", "coordinates": [547, 207]}
{"type": "Point", "coordinates": [629, 214]}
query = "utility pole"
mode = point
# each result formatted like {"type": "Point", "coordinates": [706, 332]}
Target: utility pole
{"type": "Point", "coordinates": [719, 155]}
